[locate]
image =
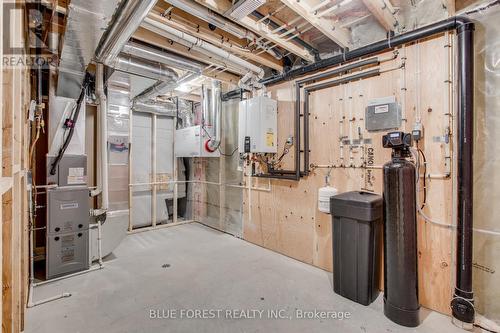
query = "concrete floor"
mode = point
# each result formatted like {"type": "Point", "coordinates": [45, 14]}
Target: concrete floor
{"type": "Point", "coordinates": [194, 267]}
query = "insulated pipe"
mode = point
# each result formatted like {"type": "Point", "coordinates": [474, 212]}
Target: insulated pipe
{"type": "Point", "coordinates": [182, 38]}
{"type": "Point", "coordinates": [127, 19]}
{"type": "Point", "coordinates": [102, 110]}
{"type": "Point", "coordinates": [168, 59]}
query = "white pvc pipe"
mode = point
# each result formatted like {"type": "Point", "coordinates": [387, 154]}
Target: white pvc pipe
{"type": "Point", "coordinates": [182, 38]}
{"type": "Point", "coordinates": [103, 144]}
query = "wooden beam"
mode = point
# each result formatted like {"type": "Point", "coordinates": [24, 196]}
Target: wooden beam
{"type": "Point", "coordinates": [149, 37]}
{"type": "Point", "coordinates": [219, 40]}
{"type": "Point", "coordinates": [383, 12]}
{"type": "Point", "coordinates": [337, 34]}
{"type": "Point", "coordinates": [259, 28]}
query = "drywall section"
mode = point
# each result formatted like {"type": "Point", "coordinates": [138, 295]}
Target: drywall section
{"type": "Point", "coordinates": [287, 220]}
{"type": "Point", "coordinates": [486, 260]}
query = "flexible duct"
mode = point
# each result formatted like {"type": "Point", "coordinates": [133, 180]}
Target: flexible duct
{"type": "Point", "coordinates": [191, 41]}
{"type": "Point", "coordinates": [128, 18]}
{"type": "Point", "coordinates": [169, 59]}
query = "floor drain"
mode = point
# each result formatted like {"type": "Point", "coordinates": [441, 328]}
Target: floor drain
{"type": "Point", "coordinates": [165, 265]}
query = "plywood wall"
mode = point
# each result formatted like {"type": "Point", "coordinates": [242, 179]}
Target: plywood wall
{"type": "Point", "coordinates": [287, 220]}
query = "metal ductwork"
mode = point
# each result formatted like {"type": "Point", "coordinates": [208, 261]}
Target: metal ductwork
{"type": "Point", "coordinates": [166, 58]}
{"type": "Point", "coordinates": [217, 110]}
{"type": "Point", "coordinates": [141, 67]}
{"type": "Point", "coordinates": [126, 21]}
{"type": "Point", "coordinates": [212, 112]}
{"type": "Point", "coordinates": [165, 86]}
{"type": "Point", "coordinates": [181, 109]}
{"type": "Point", "coordinates": [168, 109]}
{"type": "Point", "coordinates": [86, 22]}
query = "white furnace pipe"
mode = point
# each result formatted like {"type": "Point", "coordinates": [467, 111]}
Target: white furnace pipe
{"type": "Point", "coordinates": [183, 38]}
{"type": "Point", "coordinates": [103, 110]}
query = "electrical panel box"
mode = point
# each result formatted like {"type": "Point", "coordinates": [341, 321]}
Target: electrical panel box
{"type": "Point", "coordinates": [67, 253]}
{"type": "Point", "coordinates": [383, 114]}
{"type": "Point", "coordinates": [192, 142]}
{"type": "Point", "coordinates": [67, 209]}
{"type": "Point", "coordinates": [258, 125]}
{"type": "Point", "coordinates": [71, 170]}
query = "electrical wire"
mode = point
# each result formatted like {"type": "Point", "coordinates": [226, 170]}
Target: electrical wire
{"type": "Point", "coordinates": [424, 178]}
{"type": "Point", "coordinates": [218, 146]}
{"type": "Point", "coordinates": [74, 118]}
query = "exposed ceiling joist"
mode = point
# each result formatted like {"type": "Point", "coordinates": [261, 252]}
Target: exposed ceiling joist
{"type": "Point", "coordinates": [220, 40]}
{"type": "Point", "coordinates": [304, 8]}
{"type": "Point", "coordinates": [221, 7]}
{"type": "Point", "coordinates": [151, 38]}
{"type": "Point", "coordinates": [383, 12]}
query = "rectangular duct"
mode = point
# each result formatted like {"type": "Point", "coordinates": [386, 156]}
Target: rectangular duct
{"type": "Point", "coordinates": [86, 22]}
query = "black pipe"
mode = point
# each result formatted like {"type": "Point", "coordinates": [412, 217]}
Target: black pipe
{"type": "Point", "coordinates": [427, 31]}
{"type": "Point", "coordinates": [462, 304]}
{"type": "Point", "coordinates": [234, 94]}
{"type": "Point", "coordinates": [339, 70]}
{"type": "Point", "coordinates": [357, 76]}
{"type": "Point", "coordinates": [299, 84]}
{"type": "Point", "coordinates": [299, 41]}
{"type": "Point", "coordinates": [283, 177]}
{"type": "Point", "coordinates": [307, 93]}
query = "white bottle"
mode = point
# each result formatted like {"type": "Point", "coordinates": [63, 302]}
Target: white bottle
{"type": "Point", "coordinates": [324, 194]}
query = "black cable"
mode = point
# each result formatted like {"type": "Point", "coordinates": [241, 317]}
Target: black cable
{"type": "Point", "coordinates": [228, 155]}
{"type": "Point", "coordinates": [484, 328]}
{"type": "Point", "coordinates": [74, 118]}
{"type": "Point", "coordinates": [425, 175]}
{"type": "Point", "coordinates": [218, 146]}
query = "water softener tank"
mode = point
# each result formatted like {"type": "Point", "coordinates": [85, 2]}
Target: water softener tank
{"type": "Point", "coordinates": [400, 233]}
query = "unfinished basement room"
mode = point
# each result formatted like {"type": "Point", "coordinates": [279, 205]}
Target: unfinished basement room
{"type": "Point", "coordinates": [250, 166]}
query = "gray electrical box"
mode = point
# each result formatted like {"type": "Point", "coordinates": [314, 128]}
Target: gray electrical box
{"type": "Point", "coordinates": [71, 170]}
{"type": "Point", "coordinates": [67, 253]}
{"type": "Point", "coordinates": [382, 114]}
{"type": "Point", "coordinates": [67, 209]}
{"type": "Point", "coordinates": [67, 230]}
